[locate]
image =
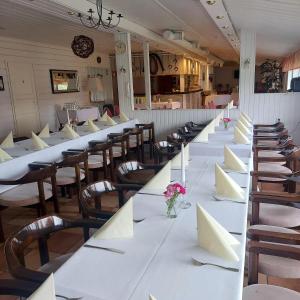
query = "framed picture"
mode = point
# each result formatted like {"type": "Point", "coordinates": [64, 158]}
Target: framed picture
{"type": "Point", "coordinates": [64, 81]}
{"type": "Point", "coordinates": [1, 83]}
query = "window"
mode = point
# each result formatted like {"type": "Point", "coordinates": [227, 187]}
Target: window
{"type": "Point", "coordinates": [292, 74]}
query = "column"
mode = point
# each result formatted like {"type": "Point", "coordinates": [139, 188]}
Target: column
{"type": "Point", "coordinates": [147, 74]}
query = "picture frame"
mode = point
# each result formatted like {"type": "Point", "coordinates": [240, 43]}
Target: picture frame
{"type": "Point", "coordinates": [64, 81]}
{"type": "Point", "coordinates": [2, 83]}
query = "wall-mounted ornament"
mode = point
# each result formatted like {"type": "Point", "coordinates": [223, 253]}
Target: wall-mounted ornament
{"type": "Point", "coordinates": [82, 46]}
{"type": "Point", "coordinates": [1, 83]}
{"type": "Point", "coordinates": [120, 47]}
{"type": "Point", "coordinates": [99, 60]}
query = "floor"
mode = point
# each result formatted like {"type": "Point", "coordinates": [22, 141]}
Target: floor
{"type": "Point", "coordinates": [68, 241]}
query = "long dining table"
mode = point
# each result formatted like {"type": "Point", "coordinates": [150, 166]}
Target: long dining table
{"type": "Point", "coordinates": [158, 260]}
{"type": "Point", "coordinates": [23, 153]}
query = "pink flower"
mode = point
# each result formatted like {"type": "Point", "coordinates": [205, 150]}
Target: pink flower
{"type": "Point", "coordinates": [174, 188]}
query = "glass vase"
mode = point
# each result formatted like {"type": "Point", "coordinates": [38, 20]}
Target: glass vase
{"type": "Point", "coordinates": [171, 208]}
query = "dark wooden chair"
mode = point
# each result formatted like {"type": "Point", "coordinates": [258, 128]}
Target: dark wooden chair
{"type": "Point", "coordinates": [148, 136]}
{"type": "Point", "coordinates": [120, 146]}
{"type": "Point", "coordinates": [40, 230]}
{"type": "Point", "coordinates": [279, 246]}
{"type": "Point", "coordinates": [194, 127]}
{"type": "Point", "coordinates": [91, 197]}
{"type": "Point", "coordinates": [15, 287]}
{"type": "Point", "coordinates": [187, 133]}
{"type": "Point", "coordinates": [32, 190]}
{"type": "Point", "coordinates": [101, 159]}
{"type": "Point", "coordinates": [136, 142]}
{"type": "Point", "coordinates": [164, 150]}
{"type": "Point", "coordinates": [176, 138]}
{"type": "Point", "coordinates": [134, 172]}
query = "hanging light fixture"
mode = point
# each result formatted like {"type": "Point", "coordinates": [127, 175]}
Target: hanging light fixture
{"type": "Point", "coordinates": [112, 20]}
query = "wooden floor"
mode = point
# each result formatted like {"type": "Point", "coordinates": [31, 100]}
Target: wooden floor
{"type": "Point", "coordinates": [70, 240]}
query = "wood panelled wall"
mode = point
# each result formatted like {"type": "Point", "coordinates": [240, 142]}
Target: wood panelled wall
{"type": "Point", "coordinates": [43, 58]}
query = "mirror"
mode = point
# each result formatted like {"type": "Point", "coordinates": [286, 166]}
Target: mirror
{"type": "Point", "coordinates": [64, 81]}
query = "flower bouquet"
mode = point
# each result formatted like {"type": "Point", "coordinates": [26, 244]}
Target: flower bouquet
{"type": "Point", "coordinates": [226, 121]}
{"type": "Point", "coordinates": [172, 193]}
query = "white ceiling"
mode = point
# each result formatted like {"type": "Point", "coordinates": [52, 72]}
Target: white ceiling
{"type": "Point", "coordinates": [276, 23]}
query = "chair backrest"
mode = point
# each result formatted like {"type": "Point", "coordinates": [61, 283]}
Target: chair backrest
{"type": "Point", "coordinates": [120, 140]}
{"type": "Point", "coordinates": [148, 131]}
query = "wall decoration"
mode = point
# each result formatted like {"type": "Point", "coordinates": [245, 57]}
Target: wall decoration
{"type": "Point", "coordinates": [1, 83]}
{"type": "Point", "coordinates": [99, 59]}
{"type": "Point", "coordinates": [82, 46]}
{"type": "Point", "coordinates": [120, 47]}
{"type": "Point", "coordinates": [270, 72]}
{"type": "Point", "coordinates": [64, 81]}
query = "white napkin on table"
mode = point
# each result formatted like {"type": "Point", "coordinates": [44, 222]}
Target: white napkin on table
{"type": "Point", "coordinates": [245, 122]}
{"type": "Point", "coordinates": [243, 128]}
{"type": "Point", "coordinates": [8, 142]}
{"type": "Point", "coordinates": [215, 238]}
{"type": "Point", "coordinates": [152, 298]}
{"type": "Point", "coordinates": [92, 127]}
{"type": "Point", "coordinates": [176, 161]}
{"type": "Point", "coordinates": [45, 133]}
{"type": "Point", "coordinates": [240, 138]}
{"type": "Point", "coordinates": [211, 127]}
{"type": "Point", "coordinates": [119, 226]}
{"type": "Point", "coordinates": [46, 291]}
{"type": "Point", "coordinates": [104, 117]}
{"type": "Point", "coordinates": [110, 121]}
{"type": "Point", "coordinates": [161, 180]}
{"type": "Point", "coordinates": [232, 162]}
{"type": "Point", "coordinates": [123, 117]}
{"type": "Point", "coordinates": [246, 117]}
{"type": "Point", "coordinates": [202, 137]}
{"type": "Point", "coordinates": [226, 187]}
{"type": "Point", "coordinates": [37, 142]}
{"type": "Point", "coordinates": [4, 156]}
{"type": "Point", "coordinates": [69, 133]}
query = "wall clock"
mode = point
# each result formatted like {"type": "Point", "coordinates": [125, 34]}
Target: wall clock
{"type": "Point", "coordinates": [82, 46]}
{"type": "Point", "coordinates": [120, 47]}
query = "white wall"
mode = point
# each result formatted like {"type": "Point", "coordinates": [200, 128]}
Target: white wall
{"type": "Point", "coordinates": [265, 108]}
{"type": "Point", "coordinates": [43, 58]}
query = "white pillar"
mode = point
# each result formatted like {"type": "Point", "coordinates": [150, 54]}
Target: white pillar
{"type": "Point", "coordinates": [247, 68]}
{"type": "Point", "coordinates": [124, 72]}
{"type": "Point", "coordinates": [147, 74]}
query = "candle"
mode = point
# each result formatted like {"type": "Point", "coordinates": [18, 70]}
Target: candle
{"type": "Point", "coordinates": [228, 115]}
{"type": "Point", "coordinates": [182, 165]}
{"type": "Point", "coordinates": [68, 117]}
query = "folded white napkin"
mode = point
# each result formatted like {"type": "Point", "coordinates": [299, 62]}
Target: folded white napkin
{"type": "Point", "coordinates": [92, 127]}
{"type": "Point", "coordinates": [239, 137]}
{"type": "Point", "coordinates": [119, 226]}
{"type": "Point", "coordinates": [161, 180]}
{"type": "Point", "coordinates": [45, 133]}
{"type": "Point", "coordinates": [8, 142]}
{"type": "Point", "coordinates": [243, 128]}
{"type": "Point", "coordinates": [232, 162]}
{"type": "Point", "coordinates": [37, 142]}
{"type": "Point", "coordinates": [230, 104]}
{"type": "Point", "coordinates": [104, 117]}
{"type": "Point", "coordinates": [211, 127]}
{"type": "Point", "coordinates": [202, 137]}
{"type": "Point", "coordinates": [46, 290]}
{"type": "Point", "coordinates": [226, 187]}
{"type": "Point", "coordinates": [4, 156]}
{"type": "Point", "coordinates": [110, 121]}
{"type": "Point", "coordinates": [246, 117]}
{"type": "Point", "coordinates": [152, 297]}
{"type": "Point", "coordinates": [176, 161]}
{"type": "Point", "coordinates": [123, 117]}
{"type": "Point", "coordinates": [69, 133]}
{"type": "Point", "coordinates": [213, 237]}
{"type": "Point", "coordinates": [245, 121]}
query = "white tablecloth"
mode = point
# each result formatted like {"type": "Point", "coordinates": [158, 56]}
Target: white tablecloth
{"type": "Point", "coordinates": [80, 115]}
{"type": "Point", "coordinates": [158, 260]}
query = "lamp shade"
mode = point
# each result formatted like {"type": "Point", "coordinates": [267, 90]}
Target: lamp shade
{"type": "Point", "coordinates": [95, 84]}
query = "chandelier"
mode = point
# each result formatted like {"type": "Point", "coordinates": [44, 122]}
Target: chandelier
{"type": "Point", "coordinates": [111, 19]}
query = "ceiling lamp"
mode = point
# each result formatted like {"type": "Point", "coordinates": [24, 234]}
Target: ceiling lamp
{"type": "Point", "coordinates": [110, 21]}
{"type": "Point", "coordinates": [211, 2]}
{"type": "Point", "coordinates": [220, 17]}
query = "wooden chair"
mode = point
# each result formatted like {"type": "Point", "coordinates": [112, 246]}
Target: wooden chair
{"type": "Point", "coordinates": [91, 197]}
{"type": "Point", "coordinates": [120, 146]}
{"type": "Point", "coordinates": [148, 136]}
{"type": "Point", "coordinates": [176, 138]}
{"type": "Point", "coordinates": [282, 246]}
{"type": "Point", "coordinates": [165, 151]}
{"type": "Point", "coordinates": [136, 142]}
{"type": "Point", "coordinates": [101, 159]}
{"type": "Point", "coordinates": [31, 190]}
{"type": "Point", "coordinates": [15, 287]}
{"type": "Point", "coordinates": [40, 230]}
{"type": "Point", "coordinates": [70, 173]}
{"type": "Point", "coordinates": [187, 134]}
{"type": "Point", "coordinates": [134, 172]}
{"type": "Point", "coordinates": [194, 127]}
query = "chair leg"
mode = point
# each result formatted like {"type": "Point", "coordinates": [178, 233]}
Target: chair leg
{"type": "Point", "coordinates": [2, 237]}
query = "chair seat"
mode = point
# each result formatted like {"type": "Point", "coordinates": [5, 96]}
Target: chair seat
{"type": "Point", "coordinates": [141, 176]}
{"type": "Point", "coordinates": [267, 143]}
{"type": "Point", "coordinates": [268, 134]}
{"type": "Point", "coordinates": [273, 154]}
{"type": "Point", "coordinates": [274, 265]}
{"type": "Point", "coordinates": [95, 162]}
{"type": "Point", "coordinates": [266, 292]}
{"type": "Point", "coordinates": [55, 263]}
{"type": "Point", "coordinates": [117, 152]}
{"type": "Point", "coordinates": [66, 176]}
{"type": "Point", "coordinates": [24, 195]}
{"type": "Point", "coordinates": [279, 215]}
{"type": "Point", "coordinates": [270, 167]}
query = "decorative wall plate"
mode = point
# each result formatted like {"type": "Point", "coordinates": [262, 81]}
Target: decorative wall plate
{"type": "Point", "coordinates": [120, 47]}
{"type": "Point", "coordinates": [82, 46]}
